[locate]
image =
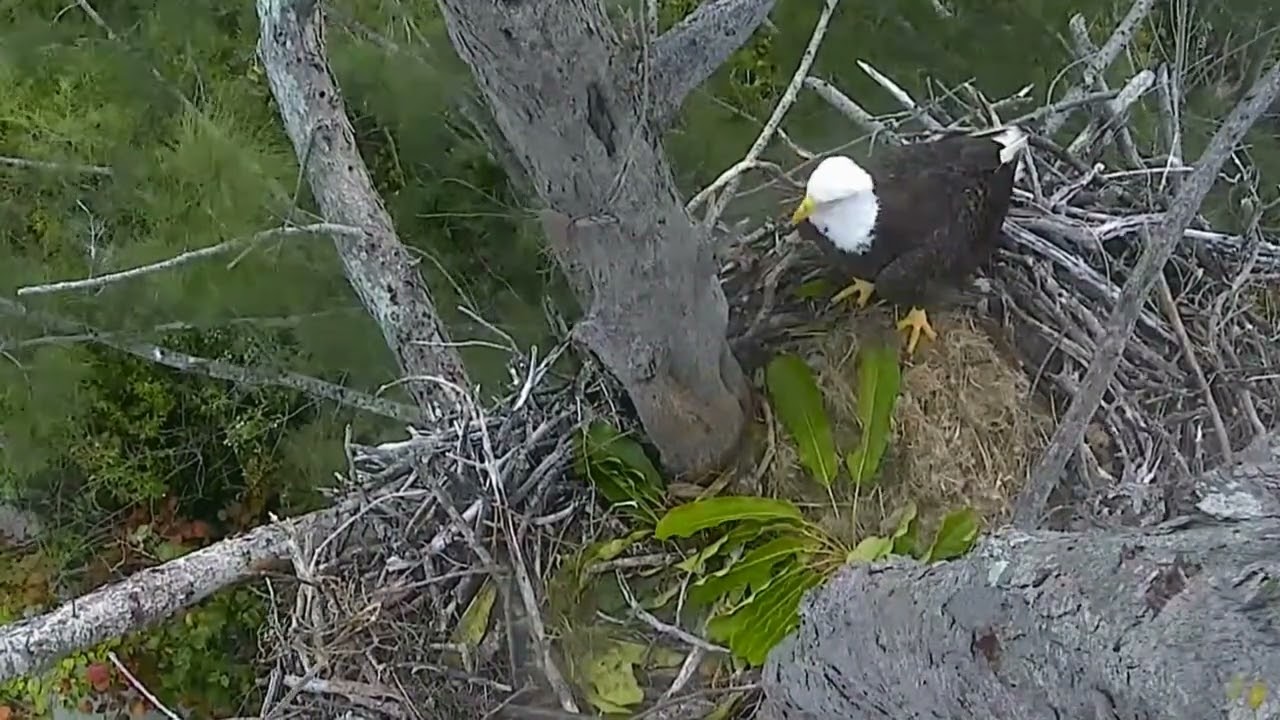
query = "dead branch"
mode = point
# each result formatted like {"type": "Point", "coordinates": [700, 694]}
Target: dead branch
{"type": "Point", "coordinates": [775, 118]}
{"type": "Point", "coordinates": [27, 164]}
{"type": "Point", "coordinates": [1124, 317]}
{"type": "Point", "coordinates": [147, 596]}
{"type": "Point", "coordinates": [339, 231]}
{"type": "Point", "coordinates": [243, 376]}
{"type": "Point", "coordinates": [379, 268]}
{"type": "Point", "coordinates": [1096, 65]}
{"type": "Point", "coordinates": [689, 53]}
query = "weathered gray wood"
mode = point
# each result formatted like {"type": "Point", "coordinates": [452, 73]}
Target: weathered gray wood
{"type": "Point", "coordinates": [1244, 490]}
{"type": "Point", "coordinates": [378, 266]}
{"type": "Point", "coordinates": [1168, 623]}
{"type": "Point", "coordinates": [151, 595]}
{"type": "Point", "coordinates": [580, 110]}
{"type": "Point", "coordinates": [686, 55]}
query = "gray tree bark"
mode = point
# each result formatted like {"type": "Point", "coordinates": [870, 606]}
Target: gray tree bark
{"type": "Point", "coordinates": [1177, 621]}
{"type": "Point", "coordinates": [379, 268]}
{"type": "Point", "coordinates": [583, 112]}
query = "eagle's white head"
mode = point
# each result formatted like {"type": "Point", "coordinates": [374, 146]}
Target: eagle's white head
{"type": "Point", "coordinates": [840, 201]}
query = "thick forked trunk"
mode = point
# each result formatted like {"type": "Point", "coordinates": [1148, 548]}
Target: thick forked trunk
{"type": "Point", "coordinates": [572, 105]}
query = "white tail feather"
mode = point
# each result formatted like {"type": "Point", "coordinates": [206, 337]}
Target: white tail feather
{"type": "Point", "coordinates": [1012, 142]}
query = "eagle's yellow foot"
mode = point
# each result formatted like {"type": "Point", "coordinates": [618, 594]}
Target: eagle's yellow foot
{"type": "Point", "coordinates": [916, 323]}
{"type": "Point", "coordinates": [860, 290]}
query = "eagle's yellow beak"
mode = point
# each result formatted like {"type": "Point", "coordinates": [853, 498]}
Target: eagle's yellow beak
{"type": "Point", "coordinates": [803, 211]}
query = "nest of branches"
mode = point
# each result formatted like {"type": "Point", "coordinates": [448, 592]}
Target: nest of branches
{"type": "Point", "coordinates": [1191, 388]}
{"type": "Point", "coordinates": [467, 518]}
{"type": "Point", "coordinates": [466, 523]}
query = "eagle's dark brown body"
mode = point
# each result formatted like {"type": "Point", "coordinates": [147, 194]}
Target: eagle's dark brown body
{"type": "Point", "coordinates": [941, 207]}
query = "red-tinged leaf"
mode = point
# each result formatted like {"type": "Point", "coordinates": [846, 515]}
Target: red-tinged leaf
{"type": "Point", "coordinates": [99, 676]}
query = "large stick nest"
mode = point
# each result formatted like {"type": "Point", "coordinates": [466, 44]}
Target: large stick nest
{"type": "Point", "coordinates": [1191, 387]}
{"type": "Point", "coordinates": [489, 496]}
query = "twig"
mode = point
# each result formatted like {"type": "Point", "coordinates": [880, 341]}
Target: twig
{"type": "Point", "coordinates": [142, 689]}
{"type": "Point", "coordinates": [359, 693]}
{"type": "Point", "coordinates": [1120, 325]}
{"type": "Point", "coordinates": [902, 96]}
{"type": "Point", "coordinates": [1165, 296]}
{"type": "Point", "coordinates": [56, 166]}
{"type": "Point", "coordinates": [645, 616]}
{"type": "Point", "coordinates": [191, 256]}
{"type": "Point", "coordinates": [850, 109]}
{"type": "Point", "coordinates": [246, 376]}
{"type": "Point", "coordinates": [779, 111]}
{"type": "Point", "coordinates": [524, 584]}
{"type": "Point", "coordinates": [726, 178]}
{"type": "Point", "coordinates": [1098, 64]}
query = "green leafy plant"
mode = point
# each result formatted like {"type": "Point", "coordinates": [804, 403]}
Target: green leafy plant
{"type": "Point", "coordinates": [618, 467]}
{"type": "Point", "coordinates": [798, 403]}
{"type": "Point", "coordinates": [765, 555]}
{"type": "Point", "coordinates": [879, 379]}
{"type": "Point", "coordinates": [747, 560]}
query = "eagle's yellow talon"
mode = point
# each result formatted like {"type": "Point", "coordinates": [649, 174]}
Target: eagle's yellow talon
{"type": "Point", "coordinates": [859, 289]}
{"type": "Point", "coordinates": [916, 323]}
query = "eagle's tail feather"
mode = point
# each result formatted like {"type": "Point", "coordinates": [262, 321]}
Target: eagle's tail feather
{"type": "Point", "coordinates": [1012, 140]}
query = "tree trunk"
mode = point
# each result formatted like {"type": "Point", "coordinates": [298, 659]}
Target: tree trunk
{"type": "Point", "coordinates": [579, 112]}
{"type": "Point", "coordinates": [379, 268]}
{"type": "Point", "coordinates": [1173, 622]}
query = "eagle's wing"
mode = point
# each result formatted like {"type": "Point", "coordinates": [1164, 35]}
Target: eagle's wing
{"type": "Point", "coordinates": [937, 263]}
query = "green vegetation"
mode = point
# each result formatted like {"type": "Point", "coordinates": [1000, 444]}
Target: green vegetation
{"type": "Point", "coordinates": [746, 561]}
{"type": "Point", "coordinates": [131, 464]}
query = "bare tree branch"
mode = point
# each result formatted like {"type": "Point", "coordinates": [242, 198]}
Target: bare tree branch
{"type": "Point", "coordinates": [148, 596]}
{"type": "Point", "coordinates": [1096, 65]}
{"type": "Point", "coordinates": [1120, 325]}
{"type": "Point", "coordinates": [689, 53]}
{"type": "Point", "coordinates": [248, 377]}
{"type": "Point", "coordinates": [378, 266]}
{"type": "Point", "coordinates": [24, 163]}
{"type": "Point", "coordinates": [341, 231]}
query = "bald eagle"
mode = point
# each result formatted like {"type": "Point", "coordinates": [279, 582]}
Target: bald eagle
{"type": "Point", "coordinates": [917, 220]}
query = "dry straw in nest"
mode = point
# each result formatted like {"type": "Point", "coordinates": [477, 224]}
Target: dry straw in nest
{"type": "Point", "coordinates": [967, 426]}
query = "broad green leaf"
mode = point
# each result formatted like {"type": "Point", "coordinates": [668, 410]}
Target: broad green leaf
{"type": "Point", "coordinates": [695, 562]}
{"type": "Point", "coordinates": [754, 565]}
{"type": "Point", "coordinates": [871, 549]}
{"type": "Point", "coordinates": [814, 289]}
{"type": "Point", "coordinates": [955, 536]}
{"type": "Point", "coordinates": [689, 518]}
{"type": "Point", "coordinates": [610, 675]}
{"type": "Point", "coordinates": [904, 519]}
{"type": "Point", "coordinates": [796, 399]}
{"type": "Point", "coordinates": [604, 551]}
{"type": "Point", "coordinates": [475, 619]}
{"type": "Point", "coordinates": [619, 468]}
{"type": "Point", "coordinates": [756, 626]}
{"type": "Point", "coordinates": [905, 529]}
{"type": "Point", "coordinates": [606, 441]}
{"type": "Point", "coordinates": [879, 378]}
{"type": "Point", "coordinates": [779, 619]}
